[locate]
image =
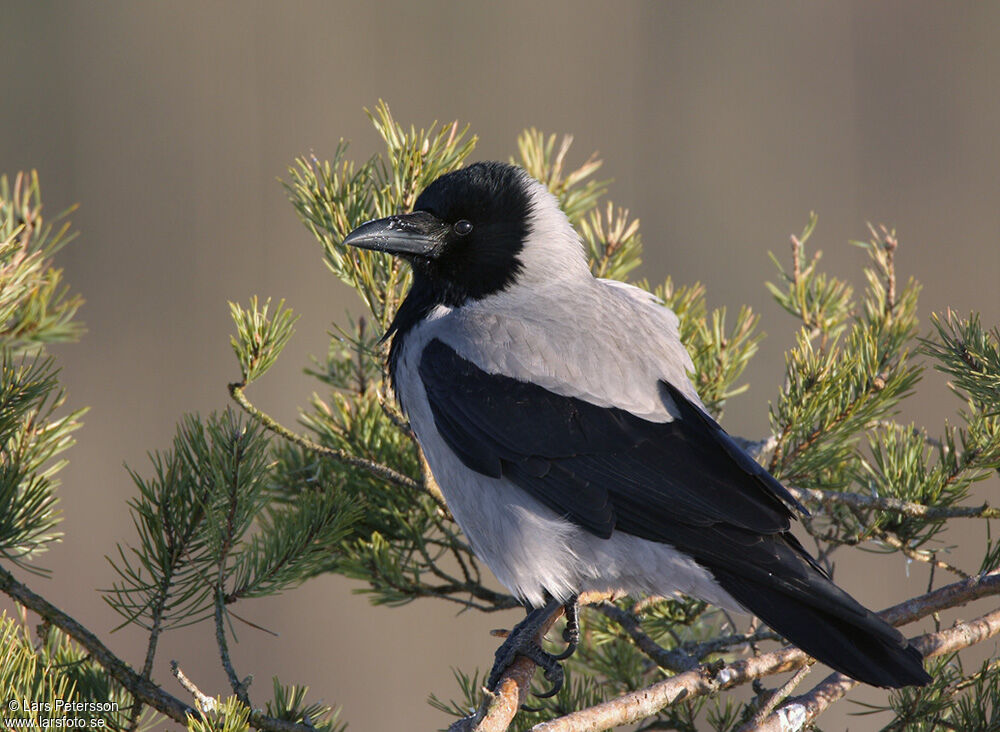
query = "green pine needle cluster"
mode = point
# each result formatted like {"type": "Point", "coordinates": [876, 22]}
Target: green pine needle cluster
{"type": "Point", "coordinates": [610, 235]}
{"type": "Point", "coordinates": [52, 670]}
{"type": "Point", "coordinates": [849, 369]}
{"type": "Point", "coordinates": [35, 309]}
{"type": "Point", "coordinates": [36, 430]}
{"type": "Point", "coordinates": [214, 530]}
{"type": "Point", "coordinates": [211, 512]}
{"type": "Point", "coordinates": [720, 353]}
{"type": "Point", "coordinates": [288, 704]}
{"type": "Point", "coordinates": [32, 437]}
{"type": "Point", "coordinates": [23, 669]}
{"type": "Point", "coordinates": [970, 355]}
{"type": "Point", "coordinates": [956, 699]}
{"type": "Point", "coordinates": [259, 337]}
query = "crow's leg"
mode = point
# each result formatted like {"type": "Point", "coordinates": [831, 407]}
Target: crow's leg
{"type": "Point", "coordinates": [523, 641]}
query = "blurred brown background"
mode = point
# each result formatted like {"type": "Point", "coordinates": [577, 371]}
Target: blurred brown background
{"type": "Point", "coordinates": [722, 126]}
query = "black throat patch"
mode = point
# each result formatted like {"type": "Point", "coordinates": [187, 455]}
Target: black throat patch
{"type": "Point", "coordinates": [494, 198]}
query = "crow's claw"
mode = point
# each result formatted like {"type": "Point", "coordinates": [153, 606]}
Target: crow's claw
{"type": "Point", "coordinates": [523, 641]}
{"type": "Point", "coordinates": [566, 653]}
{"type": "Point", "coordinates": [571, 633]}
{"type": "Point", "coordinates": [554, 675]}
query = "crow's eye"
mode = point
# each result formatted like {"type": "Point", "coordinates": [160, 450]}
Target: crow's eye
{"type": "Point", "coordinates": [462, 227]}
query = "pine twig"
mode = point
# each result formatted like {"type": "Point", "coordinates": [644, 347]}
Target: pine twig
{"type": "Point", "coordinates": [236, 391]}
{"type": "Point", "coordinates": [219, 603]}
{"type": "Point", "coordinates": [860, 500]}
{"type": "Point", "coordinates": [804, 709]}
{"type": "Point", "coordinates": [778, 696]}
{"type": "Point", "coordinates": [239, 687]}
{"type": "Point", "coordinates": [673, 660]}
{"type": "Point", "coordinates": [393, 414]}
{"type": "Point", "coordinates": [700, 649]}
{"type": "Point", "coordinates": [147, 666]}
{"type": "Point", "coordinates": [430, 485]}
{"type": "Point", "coordinates": [906, 508]}
{"type": "Point", "coordinates": [700, 681]}
{"type": "Point", "coordinates": [917, 556]}
{"type": "Point", "coordinates": [205, 702]}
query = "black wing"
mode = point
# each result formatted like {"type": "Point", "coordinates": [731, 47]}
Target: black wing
{"type": "Point", "coordinates": [684, 482]}
{"type": "Point", "coordinates": [604, 468]}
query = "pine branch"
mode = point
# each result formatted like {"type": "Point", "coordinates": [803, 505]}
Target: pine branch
{"type": "Point", "coordinates": [968, 354]}
{"type": "Point", "coordinates": [499, 707]}
{"type": "Point", "coordinates": [164, 578]}
{"type": "Point", "coordinates": [612, 241]}
{"type": "Point", "coordinates": [141, 688]}
{"type": "Point", "coordinates": [497, 710]}
{"type": "Point", "coordinates": [720, 354]}
{"type": "Point", "coordinates": [676, 660]}
{"type": "Point", "coordinates": [684, 656]}
{"type": "Point", "coordinates": [916, 554]}
{"type": "Point", "coordinates": [776, 697]}
{"type": "Point", "coordinates": [147, 666]}
{"type": "Point", "coordinates": [293, 544]}
{"type": "Point", "coordinates": [804, 709]}
{"type": "Point", "coordinates": [205, 702]}
{"type": "Point", "coordinates": [236, 391]}
{"type": "Point", "coordinates": [31, 437]}
{"type": "Point", "coordinates": [830, 498]}
{"type": "Point", "coordinates": [239, 687]}
{"type": "Point", "coordinates": [835, 391]}
{"type": "Point", "coordinates": [577, 191]}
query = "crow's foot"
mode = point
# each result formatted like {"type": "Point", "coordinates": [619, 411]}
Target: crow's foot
{"type": "Point", "coordinates": [523, 641]}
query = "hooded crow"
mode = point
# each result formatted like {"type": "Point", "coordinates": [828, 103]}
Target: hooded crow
{"type": "Point", "coordinates": [556, 414]}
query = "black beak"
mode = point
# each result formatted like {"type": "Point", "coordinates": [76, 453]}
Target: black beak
{"type": "Point", "coordinates": [417, 234]}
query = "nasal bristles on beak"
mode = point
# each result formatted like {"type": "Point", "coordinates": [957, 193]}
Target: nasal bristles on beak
{"type": "Point", "coordinates": [417, 234]}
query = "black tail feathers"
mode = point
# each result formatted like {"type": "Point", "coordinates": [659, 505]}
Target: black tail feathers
{"type": "Point", "coordinates": [830, 625]}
